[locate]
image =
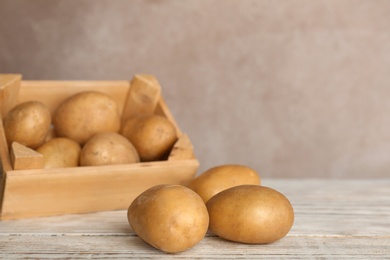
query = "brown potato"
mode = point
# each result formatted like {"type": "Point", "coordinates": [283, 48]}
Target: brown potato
{"type": "Point", "coordinates": [222, 177]}
{"type": "Point", "coordinates": [153, 136]}
{"type": "Point", "coordinates": [107, 149]}
{"type": "Point", "coordinates": [250, 214]}
{"type": "Point", "coordinates": [60, 152]}
{"type": "Point", "coordinates": [28, 124]}
{"type": "Point", "coordinates": [171, 218]}
{"type": "Point", "coordinates": [85, 114]}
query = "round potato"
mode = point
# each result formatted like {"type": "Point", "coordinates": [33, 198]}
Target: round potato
{"type": "Point", "coordinates": [222, 177]}
{"type": "Point", "coordinates": [28, 124]}
{"type": "Point", "coordinates": [171, 218]}
{"type": "Point", "coordinates": [153, 136]}
{"type": "Point", "coordinates": [60, 152]}
{"type": "Point", "coordinates": [250, 214]}
{"type": "Point", "coordinates": [85, 114]}
{"type": "Point", "coordinates": [107, 149]}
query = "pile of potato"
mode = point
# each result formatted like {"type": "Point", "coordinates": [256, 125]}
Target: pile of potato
{"type": "Point", "coordinates": [228, 200]}
{"type": "Point", "coordinates": [88, 132]}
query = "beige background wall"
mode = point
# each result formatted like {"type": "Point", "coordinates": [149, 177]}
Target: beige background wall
{"type": "Point", "coordinates": [291, 88]}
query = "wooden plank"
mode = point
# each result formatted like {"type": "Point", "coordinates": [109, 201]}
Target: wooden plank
{"type": "Point", "coordinates": [128, 246]}
{"type": "Point", "coordinates": [142, 97]}
{"type": "Point", "coordinates": [44, 192]}
{"type": "Point", "coordinates": [24, 158]}
{"type": "Point", "coordinates": [9, 89]}
{"type": "Point", "coordinates": [4, 151]}
{"type": "Point", "coordinates": [5, 163]}
{"type": "Point", "coordinates": [334, 207]}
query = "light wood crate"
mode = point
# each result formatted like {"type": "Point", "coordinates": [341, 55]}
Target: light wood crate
{"type": "Point", "coordinates": [46, 192]}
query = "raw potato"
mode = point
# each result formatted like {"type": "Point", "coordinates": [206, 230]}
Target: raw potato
{"type": "Point", "coordinates": [85, 114]}
{"type": "Point", "coordinates": [221, 178]}
{"type": "Point", "coordinates": [28, 124]}
{"type": "Point", "coordinates": [153, 136]}
{"type": "Point", "coordinates": [60, 152]}
{"type": "Point", "coordinates": [250, 214]}
{"type": "Point", "coordinates": [171, 218]}
{"type": "Point", "coordinates": [107, 149]}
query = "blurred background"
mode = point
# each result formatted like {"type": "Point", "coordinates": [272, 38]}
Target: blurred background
{"type": "Point", "coordinates": [290, 88]}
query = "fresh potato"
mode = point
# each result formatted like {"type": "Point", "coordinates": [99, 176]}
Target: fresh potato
{"type": "Point", "coordinates": [28, 124]}
{"type": "Point", "coordinates": [222, 177]}
{"type": "Point", "coordinates": [85, 114]}
{"type": "Point", "coordinates": [153, 136]}
{"type": "Point", "coordinates": [171, 218]}
{"type": "Point", "coordinates": [106, 149]}
{"type": "Point", "coordinates": [250, 214]}
{"type": "Point", "coordinates": [60, 152]}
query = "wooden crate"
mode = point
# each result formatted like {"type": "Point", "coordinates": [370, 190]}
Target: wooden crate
{"type": "Point", "coordinates": [45, 192]}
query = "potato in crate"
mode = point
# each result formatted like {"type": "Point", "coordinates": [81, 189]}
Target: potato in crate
{"type": "Point", "coordinates": [31, 186]}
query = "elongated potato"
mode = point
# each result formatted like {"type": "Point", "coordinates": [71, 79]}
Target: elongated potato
{"type": "Point", "coordinates": [250, 214]}
{"type": "Point", "coordinates": [85, 114]}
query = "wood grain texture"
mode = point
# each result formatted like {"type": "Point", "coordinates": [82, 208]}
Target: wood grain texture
{"type": "Point", "coordinates": [334, 219]}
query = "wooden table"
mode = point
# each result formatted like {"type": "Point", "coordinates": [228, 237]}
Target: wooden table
{"type": "Point", "coordinates": [334, 219]}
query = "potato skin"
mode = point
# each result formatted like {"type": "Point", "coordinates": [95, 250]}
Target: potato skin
{"type": "Point", "coordinates": [222, 177]}
{"type": "Point", "coordinates": [85, 114]}
{"type": "Point", "coordinates": [107, 149]}
{"type": "Point", "coordinates": [171, 218]}
{"type": "Point", "coordinates": [28, 123]}
{"type": "Point", "coordinates": [250, 214]}
{"type": "Point", "coordinates": [153, 136]}
{"type": "Point", "coordinates": [60, 152]}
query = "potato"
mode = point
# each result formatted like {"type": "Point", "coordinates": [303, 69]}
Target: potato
{"type": "Point", "coordinates": [171, 218]}
{"type": "Point", "coordinates": [85, 114]}
{"type": "Point", "coordinates": [250, 214]}
{"type": "Point", "coordinates": [28, 124]}
{"type": "Point", "coordinates": [60, 152]}
{"type": "Point", "coordinates": [222, 177]}
{"type": "Point", "coordinates": [107, 149]}
{"type": "Point", "coordinates": [153, 136]}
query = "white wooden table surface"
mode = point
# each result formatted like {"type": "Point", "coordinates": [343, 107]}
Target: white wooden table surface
{"type": "Point", "coordinates": [334, 219]}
